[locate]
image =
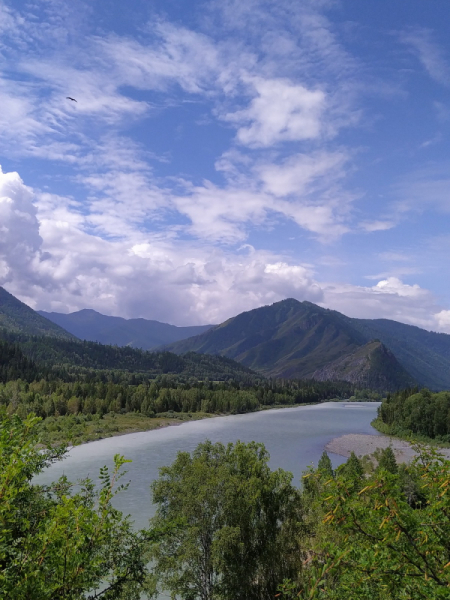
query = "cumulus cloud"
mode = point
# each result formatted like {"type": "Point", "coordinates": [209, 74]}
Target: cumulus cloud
{"type": "Point", "coordinates": [393, 285]}
{"type": "Point", "coordinates": [390, 298]}
{"type": "Point", "coordinates": [20, 241]}
{"type": "Point", "coordinates": [52, 260]}
{"type": "Point", "coordinates": [280, 111]}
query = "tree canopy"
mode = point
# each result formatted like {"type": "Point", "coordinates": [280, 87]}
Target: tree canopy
{"type": "Point", "coordinates": [240, 524]}
{"type": "Point", "coordinates": [56, 542]}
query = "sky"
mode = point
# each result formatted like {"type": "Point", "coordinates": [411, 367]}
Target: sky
{"type": "Point", "coordinates": [222, 155]}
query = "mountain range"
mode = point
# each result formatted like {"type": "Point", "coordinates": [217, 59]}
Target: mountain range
{"type": "Point", "coordinates": [295, 339]}
{"type": "Point", "coordinates": [91, 325]}
{"type": "Point", "coordinates": [289, 339]}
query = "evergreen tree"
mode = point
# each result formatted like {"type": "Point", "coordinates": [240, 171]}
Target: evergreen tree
{"type": "Point", "coordinates": [388, 461]}
{"type": "Point", "coordinates": [353, 467]}
{"type": "Point", "coordinates": [325, 465]}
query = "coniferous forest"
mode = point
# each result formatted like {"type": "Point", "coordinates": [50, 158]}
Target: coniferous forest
{"type": "Point", "coordinates": [79, 404]}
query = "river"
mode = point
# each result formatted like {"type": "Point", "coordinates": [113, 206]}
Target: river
{"type": "Point", "coordinates": [294, 437]}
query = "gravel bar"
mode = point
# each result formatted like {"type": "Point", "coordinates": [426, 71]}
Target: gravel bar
{"type": "Point", "coordinates": [362, 444]}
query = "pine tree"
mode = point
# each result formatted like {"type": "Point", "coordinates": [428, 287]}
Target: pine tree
{"type": "Point", "coordinates": [388, 461]}
{"type": "Point", "coordinates": [325, 465]}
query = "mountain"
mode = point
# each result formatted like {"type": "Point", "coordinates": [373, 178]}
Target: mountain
{"type": "Point", "coordinates": [372, 366]}
{"type": "Point", "coordinates": [299, 339]}
{"type": "Point", "coordinates": [17, 317]}
{"type": "Point", "coordinates": [287, 339]}
{"type": "Point", "coordinates": [90, 325]}
{"type": "Point", "coordinates": [34, 344]}
{"type": "Point", "coordinates": [424, 354]}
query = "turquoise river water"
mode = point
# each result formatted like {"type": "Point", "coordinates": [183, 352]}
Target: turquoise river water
{"type": "Point", "coordinates": [294, 437]}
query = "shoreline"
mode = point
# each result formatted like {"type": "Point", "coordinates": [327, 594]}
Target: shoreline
{"type": "Point", "coordinates": [174, 422]}
{"type": "Point", "coordinates": [362, 444]}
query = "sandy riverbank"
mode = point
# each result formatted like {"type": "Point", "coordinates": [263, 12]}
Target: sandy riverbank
{"type": "Point", "coordinates": [362, 444]}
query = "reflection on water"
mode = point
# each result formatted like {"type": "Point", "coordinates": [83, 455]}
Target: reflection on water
{"type": "Point", "coordinates": [294, 437]}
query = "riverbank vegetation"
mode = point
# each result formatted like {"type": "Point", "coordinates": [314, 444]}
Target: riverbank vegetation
{"type": "Point", "coordinates": [416, 414]}
{"type": "Point", "coordinates": [81, 404]}
{"type": "Point", "coordinates": [227, 527]}
{"type": "Point", "coordinates": [56, 542]}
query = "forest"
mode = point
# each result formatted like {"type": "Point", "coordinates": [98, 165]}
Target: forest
{"type": "Point", "coordinates": [79, 404]}
{"type": "Point", "coordinates": [420, 413]}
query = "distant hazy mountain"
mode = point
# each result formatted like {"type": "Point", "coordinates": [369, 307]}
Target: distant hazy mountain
{"type": "Point", "coordinates": [17, 317]}
{"type": "Point", "coordinates": [139, 333]}
{"type": "Point", "coordinates": [299, 339]}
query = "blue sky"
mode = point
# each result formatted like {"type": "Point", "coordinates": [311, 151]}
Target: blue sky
{"type": "Point", "coordinates": [224, 155]}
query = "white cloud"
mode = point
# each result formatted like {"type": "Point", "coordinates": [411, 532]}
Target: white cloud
{"type": "Point", "coordinates": [393, 285]}
{"type": "Point", "coordinates": [377, 225]}
{"type": "Point", "coordinates": [149, 242]}
{"type": "Point", "coordinates": [388, 299]}
{"type": "Point", "coordinates": [20, 241]}
{"type": "Point", "coordinates": [63, 266]}
{"type": "Point", "coordinates": [443, 320]}
{"type": "Point", "coordinates": [302, 174]}
{"type": "Point", "coordinates": [281, 111]}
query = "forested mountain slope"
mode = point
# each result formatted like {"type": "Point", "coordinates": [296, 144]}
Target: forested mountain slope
{"type": "Point", "coordinates": [299, 339]}
{"type": "Point", "coordinates": [69, 356]}
{"type": "Point", "coordinates": [17, 316]}
{"type": "Point", "coordinates": [425, 354]}
{"type": "Point", "coordinates": [91, 325]}
{"type": "Point", "coordinates": [372, 366]}
{"type": "Point", "coordinates": [286, 339]}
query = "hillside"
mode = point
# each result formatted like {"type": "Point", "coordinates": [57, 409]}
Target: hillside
{"type": "Point", "coordinates": [15, 316]}
{"type": "Point", "coordinates": [74, 356]}
{"type": "Point", "coordinates": [371, 366]}
{"type": "Point", "coordinates": [299, 339]}
{"type": "Point", "coordinates": [288, 339]}
{"type": "Point", "coordinates": [90, 325]}
{"type": "Point", "coordinates": [424, 354]}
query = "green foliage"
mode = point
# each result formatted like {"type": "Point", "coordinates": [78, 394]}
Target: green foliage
{"type": "Point", "coordinates": [69, 406]}
{"type": "Point", "coordinates": [387, 460]}
{"type": "Point", "coordinates": [15, 365]}
{"type": "Point", "coordinates": [240, 524]}
{"type": "Point", "coordinates": [324, 465]}
{"type": "Point", "coordinates": [424, 354]}
{"type": "Point", "coordinates": [287, 339]}
{"type": "Point", "coordinates": [374, 540]}
{"type": "Point", "coordinates": [68, 357]}
{"type": "Point", "coordinates": [294, 339]}
{"type": "Point", "coordinates": [353, 468]}
{"type": "Point", "coordinates": [420, 413]}
{"type": "Point", "coordinates": [58, 543]}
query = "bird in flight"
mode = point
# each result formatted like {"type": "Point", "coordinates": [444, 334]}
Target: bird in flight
{"type": "Point", "coordinates": [69, 98]}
